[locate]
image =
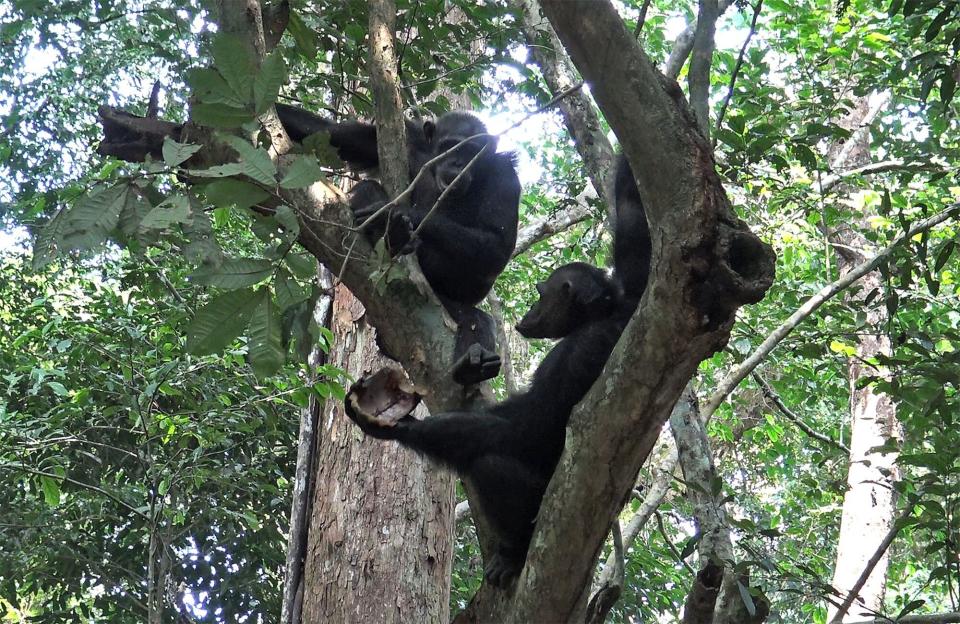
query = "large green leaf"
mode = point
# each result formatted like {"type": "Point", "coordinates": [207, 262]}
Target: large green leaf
{"type": "Point", "coordinates": [266, 85]}
{"type": "Point", "coordinates": [289, 290]}
{"type": "Point", "coordinates": [220, 115]}
{"type": "Point", "coordinates": [92, 219]}
{"type": "Point", "coordinates": [235, 273]}
{"type": "Point", "coordinates": [234, 60]}
{"type": "Point", "coordinates": [231, 192]}
{"type": "Point", "coordinates": [220, 321]}
{"type": "Point", "coordinates": [254, 161]}
{"type": "Point", "coordinates": [172, 210]}
{"type": "Point", "coordinates": [175, 153]}
{"type": "Point", "coordinates": [302, 173]}
{"type": "Point", "coordinates": [210, 88]}
{"type": "Point", "coordinates": [266, 354]}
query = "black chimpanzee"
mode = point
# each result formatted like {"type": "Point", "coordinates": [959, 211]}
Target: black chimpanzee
{"type": "Point", "coordinates": [465, 244]}
{"type": "Point", "coordinates": [509, 451]}
{"type": "Point", "coordinates": [631, 239]}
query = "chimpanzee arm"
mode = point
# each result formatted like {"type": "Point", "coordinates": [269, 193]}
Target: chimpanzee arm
{"type": "Point", "coordinates": [456, 439]}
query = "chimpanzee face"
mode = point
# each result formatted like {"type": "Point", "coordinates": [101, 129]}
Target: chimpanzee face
{"type": "Point", "coordinates": [450, 130]}
{"type": "Point", "coordinates": [573, 295]}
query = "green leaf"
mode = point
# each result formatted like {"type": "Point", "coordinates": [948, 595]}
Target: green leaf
{"type": "Point", "coordinates": [233, 192]}
{"type": "Point", "coordinates": [746, 598]}
{"type": "Point", "coordinates": [288, 220]}
{"type": "Point", "coordinates": [289, 291]}
{"type": "Point", "coordinates": [172, 210]}
{"type": "Point", "coordinates": [175, 153]}
{"type": "Point", "coordinates": [303, 266]}
{"type": "Point", "coordinates": [302, 173]}
{"type": "Point", "coordinates": [92, 219]}
{"type": "Point", "coordinates": [254, 161]}
{"type": "Point", "coordinates": [266, 355]}
{"type": "Point", "coordinates": [210, 88]}
{"type": "Point", "coordinates": [219, 171]}
{"type": "Point", "coordinates": [235, 273]}
{"type": "Point", "coordinates": [220, 321]}
{"type": "Point", "coordinates": [51, 491]}
{"type": "Point", "coordinates": [266, 85]}
{"type": "Point", "coordinates": [47, 245]}
{"type": "Point", "coordinates": [220, 115]}
{"type": "Point", "coordinates": [58, 388]}
{"type": "Point", "coordinates": [304, 37]}
{"type": "Point", "coordinates": [319, 144]}
{"type": "Point", "coordinates": [235, 62]}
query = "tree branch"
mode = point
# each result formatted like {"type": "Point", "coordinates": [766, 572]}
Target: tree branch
{"type": "Point", "coordinates": [736, 69]}
{"type": "Point", "coordinates": [579, 114]}
{"type": "Point", "coordinates": [883, 166]}
{"type": "Point", "coordinates": [935, 618]}
{"type": "Point", "coordinates": [698, 78]}
{"type": "Point", "coordinates": [545, 227]}
{"type": "Point", "coordinates": [683, 44]}
{"type": "Point", "coordinates": [735, 376]}
{"type": "Point", "coordinates": [802, 426]}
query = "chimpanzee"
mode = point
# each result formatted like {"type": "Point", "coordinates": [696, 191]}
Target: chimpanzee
{"type": "Point", "coordinates": [465, 244]}
{"type": "Point", "coordinates": [509, 451]}
{"type": "Point", "coordinates": [631, 240]}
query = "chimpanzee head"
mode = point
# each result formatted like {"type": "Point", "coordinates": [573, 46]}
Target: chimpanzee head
{"type": "Point", "coordinates": [449, 130]}
{"type": "Point", "coordinates": [574, 294]}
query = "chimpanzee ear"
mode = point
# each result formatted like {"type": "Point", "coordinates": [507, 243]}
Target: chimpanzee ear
{"type": "Point", "coordinates": [429, 129]}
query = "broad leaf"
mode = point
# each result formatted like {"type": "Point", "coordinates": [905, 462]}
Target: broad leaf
{"type": "Point", "coordinates": [254, 161]}
{"type": "Point", "coordinates": [220, 115]}
{"type": "Point", "coordinates": [302, 173]}
{"type": "Point", "coordinates": [235, 273]}
{"type": "Point", "coordinates": [234, 61]}
{"type": "Point", "coordinates": [210, 88]}
{"type": "Point", "coordinates": [289, 290]}
{"type": "Point", "coordinates": [174, 209]}
{"type": "Point", "coordinates": [266, 85]}
{"type": "Point", "coordinates": [233, 192]}
{"type": "Point", "coordinates": [92, 219]}
{"type": "Point", "coordinates": [220, 321]}
{"type": "Point", "coordinates": [175, 153]}
{"type": "Point", "coordinates": [266, 354]}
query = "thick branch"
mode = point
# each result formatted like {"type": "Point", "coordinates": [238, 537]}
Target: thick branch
{"type": "Point", "coordinates": [935, 618]}
{"type": "Point", "coordinates": [698, 78]}
{"type": "Point", "coordinates": [391, 132]}
{"type": "Point", "coordinates": [684, 44]}
{"type": "Point", "coordinates": [739, 373]}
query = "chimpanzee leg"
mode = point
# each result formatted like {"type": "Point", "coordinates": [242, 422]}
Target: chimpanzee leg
{"type": "Point", "coordinates": [475, 356]}
{"type": "Point", "coordinates": [509, 497]}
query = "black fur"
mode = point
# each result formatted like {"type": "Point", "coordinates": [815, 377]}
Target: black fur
{"type": "Point", "coordinates": [631, 239]}
{"type": "Point", "coordinates": [466, 242]}
{"type": "Point", "coordinates": [509, 451]}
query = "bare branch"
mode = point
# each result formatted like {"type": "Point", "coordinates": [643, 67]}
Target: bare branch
{"type": "Point", "coordinates": [739, 373]}
{"type": "Point", "coordinates": [391, 130]}
{"type": "Point", "coordinates": [496, 311]}
{"type": "Point", "coordinates": [934, 618]}
{"type": "Point", "coordinates": [736, 69]}
{"type": "Point", "coordinates": [545, 227]}
{"type": "Point", "coordinates": [684, 44]}
{"type": "Point", "coordinates": [603, 600]}
{"type": "Point", "coordinates": [802, 426]}
{"type": "Point", "coordinates": [883, 166]}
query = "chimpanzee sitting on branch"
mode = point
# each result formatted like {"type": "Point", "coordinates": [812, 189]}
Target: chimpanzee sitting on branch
{"type": "Point", "coordinates": [465, 242]}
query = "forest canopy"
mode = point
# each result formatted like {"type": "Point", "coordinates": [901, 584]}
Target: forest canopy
{"type": "Point", "coordinates": [186, 300]}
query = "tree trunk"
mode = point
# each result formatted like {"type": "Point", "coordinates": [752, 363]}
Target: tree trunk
{"type": "Point", "coordinates": [379, 547]}
{"type": "Point", "coordinates": [870, 501]}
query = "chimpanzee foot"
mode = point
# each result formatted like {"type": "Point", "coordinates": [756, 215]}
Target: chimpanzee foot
{"type": "Point", "coordinates": [501, 571]}
{"type": "Point", "coordinates": [476, 365]}
{"type": "Point", "coordinates": [379, 401]}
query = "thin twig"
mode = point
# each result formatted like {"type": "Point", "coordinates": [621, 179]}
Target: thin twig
{"type": "Point", "coordinates": [641, 19]}
{"type": "Point", "coordinates": [736, 69]}
{"type": "Point", "coordinates": [807, 429]}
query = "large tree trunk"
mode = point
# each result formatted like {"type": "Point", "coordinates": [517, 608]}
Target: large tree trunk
{"type": "Point", "coordinates": [379, 546]}
{"type": "Point", "coordinates": [870, 501]}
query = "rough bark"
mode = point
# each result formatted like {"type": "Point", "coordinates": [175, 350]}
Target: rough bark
{"type": "Point", "coordinates": [379, 547]}
{"type": "Point", "coordinates": [870, 501]}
